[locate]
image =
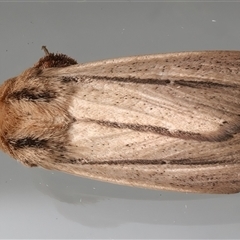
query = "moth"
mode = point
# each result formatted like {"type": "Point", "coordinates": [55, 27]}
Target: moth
{"type": "Point", "coordinates": [166, 121]}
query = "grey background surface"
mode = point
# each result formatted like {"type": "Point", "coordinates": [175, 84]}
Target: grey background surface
{"type": "Point", "coordinates": [36, 203]}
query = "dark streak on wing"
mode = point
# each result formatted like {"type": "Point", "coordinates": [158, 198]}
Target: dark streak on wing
{"type": "Point", "coordinates": [67, 79]}
{"type": "Point", "coordinates": [181, 82]}
{"type": "Point", "coordinates": [195, 84]}
{"type": "Point", "coordinates": [132, 80]}
{"type": "Point", "coordinates": [164, 131]}
{"type": "Point", "coordinates": [149, 162]}
{"type": "Point", "coordinates": [33, 94]}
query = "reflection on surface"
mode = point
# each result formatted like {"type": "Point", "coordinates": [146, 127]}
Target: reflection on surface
{"type": "Point", "coordinates": [99, 204]}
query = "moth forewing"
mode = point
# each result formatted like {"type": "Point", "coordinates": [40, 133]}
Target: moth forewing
{"type": "Point", "coordinates": [167, 121]}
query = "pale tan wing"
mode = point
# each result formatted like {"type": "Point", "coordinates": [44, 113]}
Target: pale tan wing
{"type": "Point", "coordinates": [168, 121]}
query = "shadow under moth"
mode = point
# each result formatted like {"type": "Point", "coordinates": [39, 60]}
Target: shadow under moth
{"type": "Point", "coordinates": [166, 121]}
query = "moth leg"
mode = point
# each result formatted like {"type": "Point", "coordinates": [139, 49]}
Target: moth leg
{"type": "Point", "coordinates": [52, 60]}
{"type": "Point", "coordinates": [44, 48]}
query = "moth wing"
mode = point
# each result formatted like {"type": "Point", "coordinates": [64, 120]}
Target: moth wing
{"type": "Point", "coordinates": [168, 121]}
